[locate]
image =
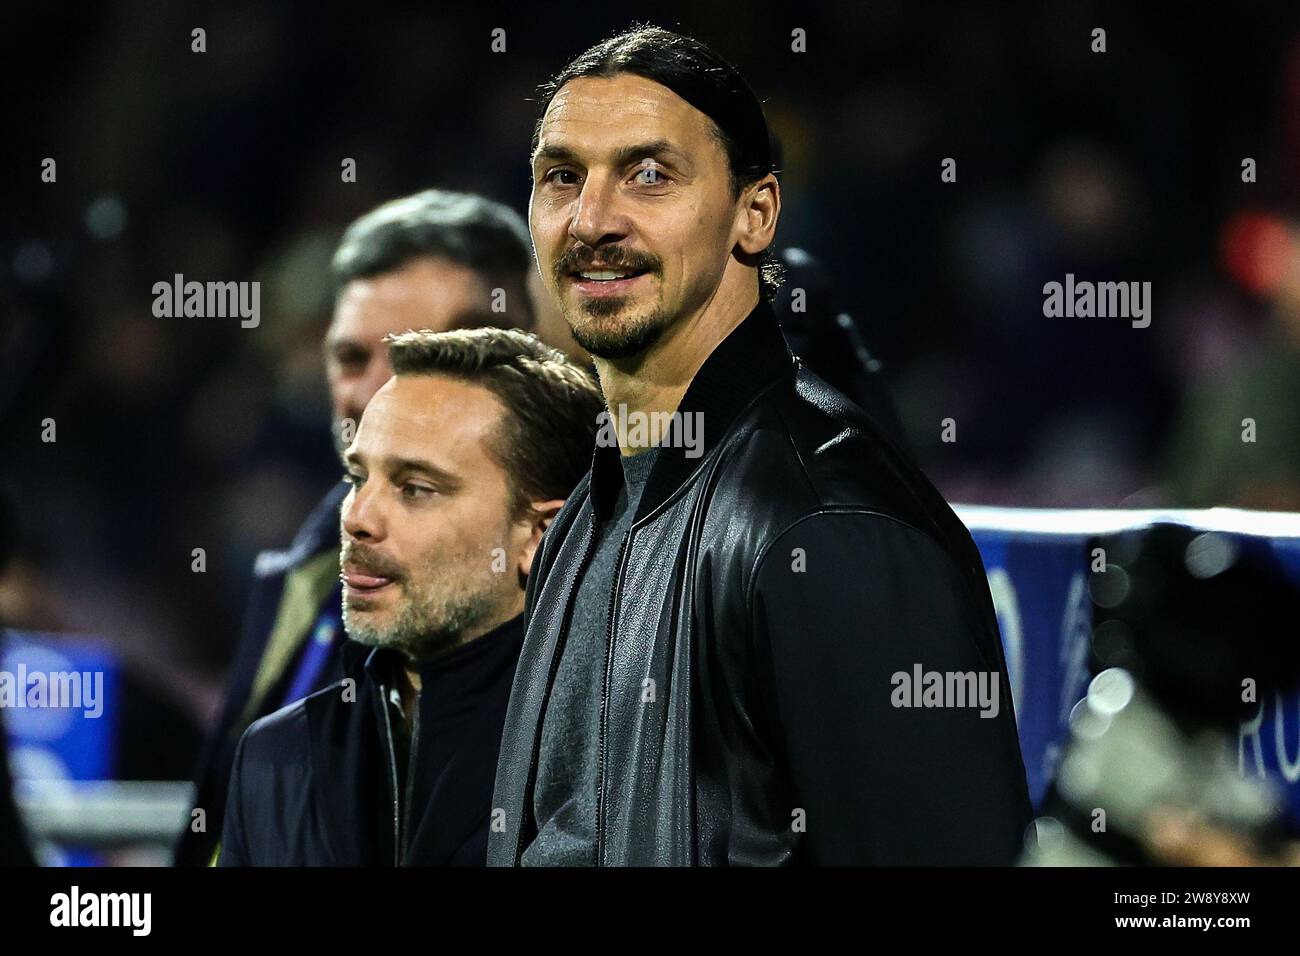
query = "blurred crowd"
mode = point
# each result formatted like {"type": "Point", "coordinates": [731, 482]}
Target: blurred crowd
{"type": "Point", "coordinates": [176, 434]}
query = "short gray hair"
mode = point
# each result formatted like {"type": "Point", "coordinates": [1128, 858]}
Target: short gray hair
{"type": "Point", "coordinates": [473, 231]}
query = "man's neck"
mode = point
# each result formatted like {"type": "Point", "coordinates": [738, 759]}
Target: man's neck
{"type": "Point", "coordinates": [657, 379]}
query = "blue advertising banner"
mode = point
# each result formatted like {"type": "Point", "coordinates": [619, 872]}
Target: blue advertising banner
{"type": "Point", "coordinates": [58, 698]}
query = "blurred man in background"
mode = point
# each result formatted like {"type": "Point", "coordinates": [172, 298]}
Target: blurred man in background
{"type": "Point", "coordinates": [461, 462]}
{"type": "Point", "coordinates": [436, 260]}
{"type": "Point", "coordinates": [1186, 649]}
{"type": "Point", "coordinates": [549, 324]}
{"type": "Point", "coordinates": [832, 341]}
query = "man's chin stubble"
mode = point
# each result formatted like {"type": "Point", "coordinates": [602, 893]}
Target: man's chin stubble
{"type": "Point", "coordinates": [620, 341]}
{"type": "Point", "coordinates": [417, 647]}
{"type": "Point", "coordinates": [418, 639]}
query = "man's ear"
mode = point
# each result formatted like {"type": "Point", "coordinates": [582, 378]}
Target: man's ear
{"type": "Point", "coordinates": [543, 514]}
{"type": "Point", "coordinates": [759, 214]}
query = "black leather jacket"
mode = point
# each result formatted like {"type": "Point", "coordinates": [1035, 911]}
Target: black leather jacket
{"type": "Point", "coordinates": [766, 597]}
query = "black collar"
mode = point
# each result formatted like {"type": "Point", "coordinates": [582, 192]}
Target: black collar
{"type": "Point", "coordinates": [484, 652]}
{"type": "Point", "coordinates": [741, 366]}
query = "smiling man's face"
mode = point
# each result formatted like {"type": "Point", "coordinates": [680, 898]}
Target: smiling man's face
{"type": "Point", "coordinates": [629, 180]}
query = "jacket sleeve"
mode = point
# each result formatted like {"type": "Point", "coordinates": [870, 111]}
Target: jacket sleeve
{"type": "Point", "coordinates": [234, 844]}
{"type": "Point", "coordinates": [847, 609]}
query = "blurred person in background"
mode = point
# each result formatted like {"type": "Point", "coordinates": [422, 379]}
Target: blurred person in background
{"type": "Point", "coordinates": [1186, 649]}
{"type": "Point", "coordinates": [1236, 441]}
{"type": "Point", "coordinates": [436, 260]}
{"type": "Point", "coordinates": [832, 341]}
{"type": "Point", "coordinates": [461, 461]}
{"type": "Point", "coordinates": [549, 324]}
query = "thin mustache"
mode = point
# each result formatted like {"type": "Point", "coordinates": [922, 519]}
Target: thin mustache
{"type": "Point", "coordinates": [370, 561]}
{"type": "Point", "coordinates": [575, 259]}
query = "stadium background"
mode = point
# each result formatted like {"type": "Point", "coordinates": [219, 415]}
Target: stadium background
{"type": "Point", "coordinates": [183, 433]}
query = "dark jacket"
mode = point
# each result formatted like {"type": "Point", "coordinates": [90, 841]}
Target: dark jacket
{"type": "Point", "coordinates": [770, 590]}
{"type": "Point", "coordinates": [324, 782]}
{"type": "Point", "coordinates": [290, 590]}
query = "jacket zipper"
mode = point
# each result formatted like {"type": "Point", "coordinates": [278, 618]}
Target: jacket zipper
{"type": "Point", "coordinates": [410, 780]}
{"type": "Point", "coordinates": [604, 701]}
{"type": "Point", "coordinates": [531, 781]}
{"type": "Point", "coordinates": [392, 768]}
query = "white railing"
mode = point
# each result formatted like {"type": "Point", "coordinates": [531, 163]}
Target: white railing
{"type": "Point", "coordinates": [104, 813]}
{"type": "Point", "coordinates": [1074, 521]}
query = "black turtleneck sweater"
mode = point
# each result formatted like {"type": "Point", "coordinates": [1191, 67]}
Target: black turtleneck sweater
{"type": "Point", "coordinates": [324, 781]}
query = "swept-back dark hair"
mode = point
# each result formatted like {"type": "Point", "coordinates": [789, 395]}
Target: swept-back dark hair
{"type": "Point", "coordinates": [701, 77]}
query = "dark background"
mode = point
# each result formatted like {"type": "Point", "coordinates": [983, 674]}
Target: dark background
{"type": "Point", "coordinates": [182, 433]}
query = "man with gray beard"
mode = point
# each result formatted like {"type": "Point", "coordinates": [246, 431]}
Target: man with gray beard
{"type": "Point", "coordinates": [460, 463]}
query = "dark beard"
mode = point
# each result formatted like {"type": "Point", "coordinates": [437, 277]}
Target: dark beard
{"type": "Point", "coordinates": [630, 339]}
{"type": "Point", "coordinates": [621, 342]}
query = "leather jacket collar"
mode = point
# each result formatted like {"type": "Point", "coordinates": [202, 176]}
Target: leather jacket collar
{"type": "Point", "coordinates": [736, 371]}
